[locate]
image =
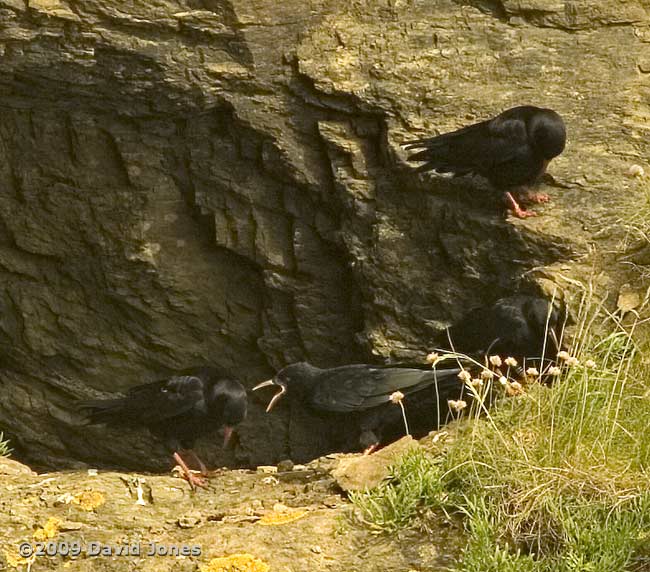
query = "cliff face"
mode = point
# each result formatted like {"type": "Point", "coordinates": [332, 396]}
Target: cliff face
{"type": "Point", "coordinates": [205, 181]}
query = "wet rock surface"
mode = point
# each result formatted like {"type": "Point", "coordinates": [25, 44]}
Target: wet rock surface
{"type": "Point", "coordinates": [190, 182]}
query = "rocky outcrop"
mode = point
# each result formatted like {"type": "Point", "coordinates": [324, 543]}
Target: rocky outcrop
{"type": "Point", "coordinates": [88, 521]}
{"type": "Point", "coordinates": [199, 181]}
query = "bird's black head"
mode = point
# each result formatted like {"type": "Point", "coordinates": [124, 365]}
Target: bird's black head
{"type": "Point", "coordinates": [228, 399]}
{"type": "Point", "coordinates": [548, 133]}
{"type": "Point", "coordinates": [295, 376]}
{"type": "Point", "coordinates": [547, 320]}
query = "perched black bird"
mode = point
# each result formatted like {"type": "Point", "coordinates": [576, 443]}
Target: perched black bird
{"type": "Point", "coordinates": [363, 392]}
{"type": "Point", "coordinates": [511, 150]}
{"type": "Point", "coordinates": [518, 326]}
{"type": "Point", "coordinates": [178, 409]}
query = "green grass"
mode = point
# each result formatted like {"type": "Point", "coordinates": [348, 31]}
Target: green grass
{"type": "Point", "coordinates": [415, 487]}
{"type": "Point", "coordinates": [4, 446]}
{"type": "Point", "coordinates": [554, 479]}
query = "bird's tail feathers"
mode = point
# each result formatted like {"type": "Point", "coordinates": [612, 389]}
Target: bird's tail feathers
{"type": "Point", "coordinates": [448, 152]}
{"type": "Point", "coordinates": [102, 410]}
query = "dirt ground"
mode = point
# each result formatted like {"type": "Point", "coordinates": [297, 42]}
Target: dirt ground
{"type": "Point", "coordinates": [288, 521]}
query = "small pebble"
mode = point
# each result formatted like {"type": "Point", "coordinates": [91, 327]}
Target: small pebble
{"type": "Point", "coordinates": [285, 466]}
{"type": "Point", "coordinates": [267, 469]}
{"type": "Point", "coordinates": [636, 171]}
{"type": "Point", "coordinates": [188, 521]}
{"type": "Point", "coordinates": [69, 525]}
{"type": "Point", "coordinates": [331, 502]}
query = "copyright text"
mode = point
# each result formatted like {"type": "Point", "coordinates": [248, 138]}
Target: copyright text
{"type": "Point", "coordinates": [76, 548]}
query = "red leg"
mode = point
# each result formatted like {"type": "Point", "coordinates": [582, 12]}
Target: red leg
{"type": "Point", "coordinates": [194, 459]}
{"type": "Point", "coordinates": [516, 209]}
{"type": "Point", "coordinates": [370, 450]}
{"type": "Point", "coordinates": [191, 478]}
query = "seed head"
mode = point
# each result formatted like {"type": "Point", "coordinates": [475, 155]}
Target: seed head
{"type": "Point", "coordinates": [396, 397]}
{"type": "Point", "coordinates": [503, 380]}
{"type": "Point", "coordinates": [487, 374]}
{"type": "Point", "coordinates": [432, 357]}
{"type": "Point", "coordinates": [532, 372]}
{"type": "Point", "coordinates": [457, 405]}
{"type": "Point", "coordinates": [572, 361]}
{"type": "Point", "coordinates": [590, 364]}
{"type": "Point", "coordinates": [495, 361]}
{"type": "Point", "coordinates": [554, 371]}
{"type": "Point", "coordinates": [476, 383]}
{"type": "Point", "coordinates": [512, 362]}
{"type": "Point", "coordinates": [464, 376]}
{"type": "Point", "coordinates": [514, 388]}
{"type": "Point", "coordinates": [563, 355]}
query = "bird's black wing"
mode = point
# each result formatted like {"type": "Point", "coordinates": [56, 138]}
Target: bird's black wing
{"type": "Point", "coordinates": [150, 402]}
{"type": "Point", "coordinates": [477, 148]}
{"type": "Point", "coordinates": [360, 387]}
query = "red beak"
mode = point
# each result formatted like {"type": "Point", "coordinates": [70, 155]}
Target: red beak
{"type": "Point", "coordinates": [227, 434]}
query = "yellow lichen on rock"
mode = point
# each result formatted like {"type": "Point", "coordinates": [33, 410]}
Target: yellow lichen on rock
{"type": "Point", "coordinates": [235, 563]}
{"type": "Point", "coordinates": [89, 500]}
{"type": "Point", "coordinates": [15, 560]}
{"type": "Point", "coordinates": [49, 530]}
{"type": "Point", "coordinates": [284, 516]}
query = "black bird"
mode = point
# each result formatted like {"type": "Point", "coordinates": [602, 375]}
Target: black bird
{"type": "Point", "coordinates": [363, 392]}
{"type": "Point", "coordinates": [511, 150]}
{"type": "Point", "coordinates": [523, 327]}
{"type": "Point", "coordinates": [178, 409]}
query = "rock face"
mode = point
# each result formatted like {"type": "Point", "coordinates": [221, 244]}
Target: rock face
{"type": "Point", "coordinates": [198, 181]}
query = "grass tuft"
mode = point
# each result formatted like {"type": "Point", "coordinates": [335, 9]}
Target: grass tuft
{"type": "Point", "coordinates": [552, 479]}
{"type": "Point", "coordinates": [4, 446]}
{"type": "Point", "coordinates": [413, 488]}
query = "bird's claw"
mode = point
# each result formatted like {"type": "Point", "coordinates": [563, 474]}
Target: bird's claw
{"type": "Point", "coordinates": [194, 480]}
{"type": "Point", "coordinates": [516, 209]}
{"type": "Point", "coordinates": [538, 198]}
{"type": "Point", "coordinates": [523, 213]}
{"type": "Point", "coordinates": [189, 475]}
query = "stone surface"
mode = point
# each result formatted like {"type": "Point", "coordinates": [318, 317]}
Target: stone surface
{"type": "Point", "coordinates": [227, 517]}
{"type": "Point", "coordinates": [11, 467]}
{"type": "Point", "coordinates": [187, 182]}
{"type": "Point", "coordinates": [357, 473]}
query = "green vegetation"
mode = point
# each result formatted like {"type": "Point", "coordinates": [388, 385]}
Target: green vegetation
{"type": "Point", "coordinates": [552, 479]}
{"type": "Point", "coordinates": [4, 446]}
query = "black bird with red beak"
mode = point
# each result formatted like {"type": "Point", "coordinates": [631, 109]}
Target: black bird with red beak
{"type": "Point", "coordinates": [511, 151]}
{"type": "Point", "coordinates": [178, 409]}
{"type": "Point", "coordinates": [361, 394]}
